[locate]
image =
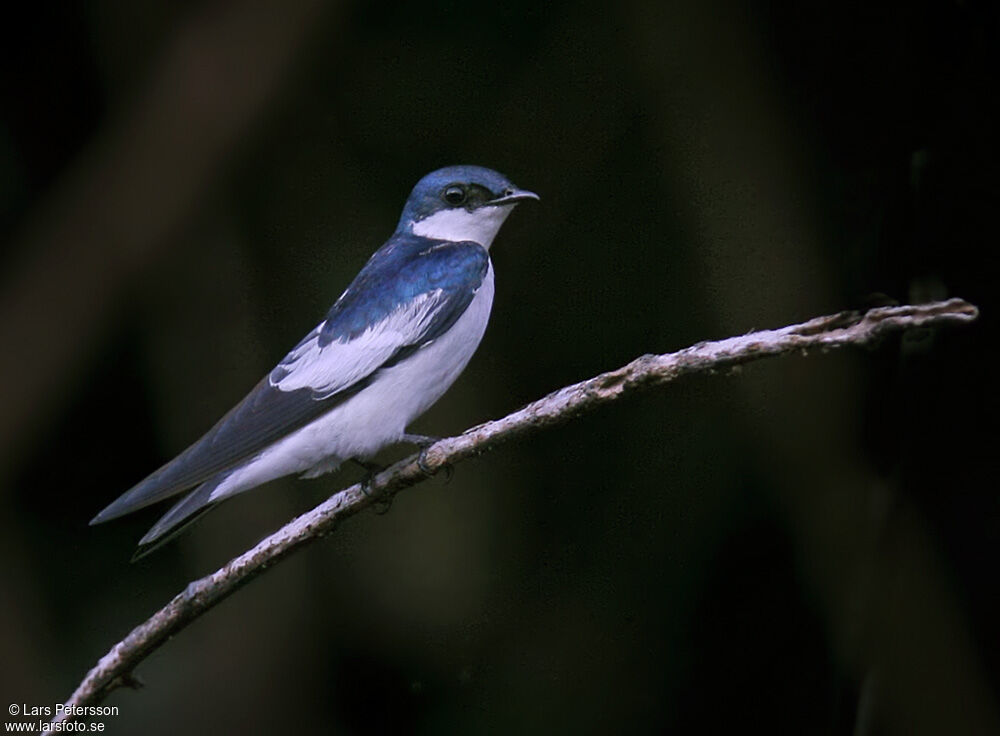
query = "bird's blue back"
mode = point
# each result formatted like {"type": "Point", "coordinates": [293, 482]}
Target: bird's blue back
{"type": "Point", "coordinates": [402, 269]}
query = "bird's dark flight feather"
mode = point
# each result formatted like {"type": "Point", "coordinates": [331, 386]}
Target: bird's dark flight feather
{"type": "Point", "coordinates": [403, 269]}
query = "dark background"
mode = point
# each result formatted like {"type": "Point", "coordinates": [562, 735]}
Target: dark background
{"type": "Point", "coordinates": [809, 546]}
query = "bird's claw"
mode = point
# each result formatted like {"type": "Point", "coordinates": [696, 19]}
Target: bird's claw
{"type": "Point", "coordinates": [424, 442]}
{"type": "Point", "coordinates": [382, 504]}
{"type": "Point", "coordinates": [427, 470]}
{"type": "Point", "coordinates": [371, 470]}
{"type": "Point", "coordinates": [422, 461]}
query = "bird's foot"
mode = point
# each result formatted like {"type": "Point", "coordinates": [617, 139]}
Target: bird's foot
{"type": "Point", "coordinates": [371, 470]}
{"type": "Point", "coordinates": [424, 441]}
{"type": "Point", "coordinates": [421, 440]}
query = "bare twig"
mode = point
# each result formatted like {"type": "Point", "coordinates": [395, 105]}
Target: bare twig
{"type": "Point", "coordinates": [823, 333]}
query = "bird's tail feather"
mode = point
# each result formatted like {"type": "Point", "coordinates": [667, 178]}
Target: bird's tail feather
{"type": "Point", "coordinates": [181, 515]}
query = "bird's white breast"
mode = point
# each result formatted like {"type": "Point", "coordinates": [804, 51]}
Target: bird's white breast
{"type": "Point", "coordinates": [379, 414]}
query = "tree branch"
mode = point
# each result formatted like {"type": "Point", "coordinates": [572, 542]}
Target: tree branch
{"type": "Point", "coordinates": [825, 333]}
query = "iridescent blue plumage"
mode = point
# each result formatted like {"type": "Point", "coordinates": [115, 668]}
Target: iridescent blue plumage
{"type": "Point", "coordinates": [401, 270]}
{"type": "Point", "coordinates": [388, 348]}
{"type": "Point", "coordinates": [425, 199]}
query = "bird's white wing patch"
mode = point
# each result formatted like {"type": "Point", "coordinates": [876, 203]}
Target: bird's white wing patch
{"type": "Point", "coordinates": [342, 363]}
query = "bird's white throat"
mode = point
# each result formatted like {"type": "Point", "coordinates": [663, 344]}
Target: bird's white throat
{"type": "Point", "coordinates": [480, 226]}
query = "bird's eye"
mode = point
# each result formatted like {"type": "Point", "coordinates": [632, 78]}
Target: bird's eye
{"type": "Point", "coordinates": [454, 194]}
{"type": "Point", "coordinates": [508, 191]}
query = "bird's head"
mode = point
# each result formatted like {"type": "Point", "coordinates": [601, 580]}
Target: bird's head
{"type": "Point", "coordinates": [461, 203]}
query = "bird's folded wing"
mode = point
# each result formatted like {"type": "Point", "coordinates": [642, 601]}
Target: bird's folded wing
{"type": "Point", "coordinates": [370, 327]}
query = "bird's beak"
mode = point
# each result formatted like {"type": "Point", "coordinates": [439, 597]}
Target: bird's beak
{"type": "Point", "coordinates": [518, 195]}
